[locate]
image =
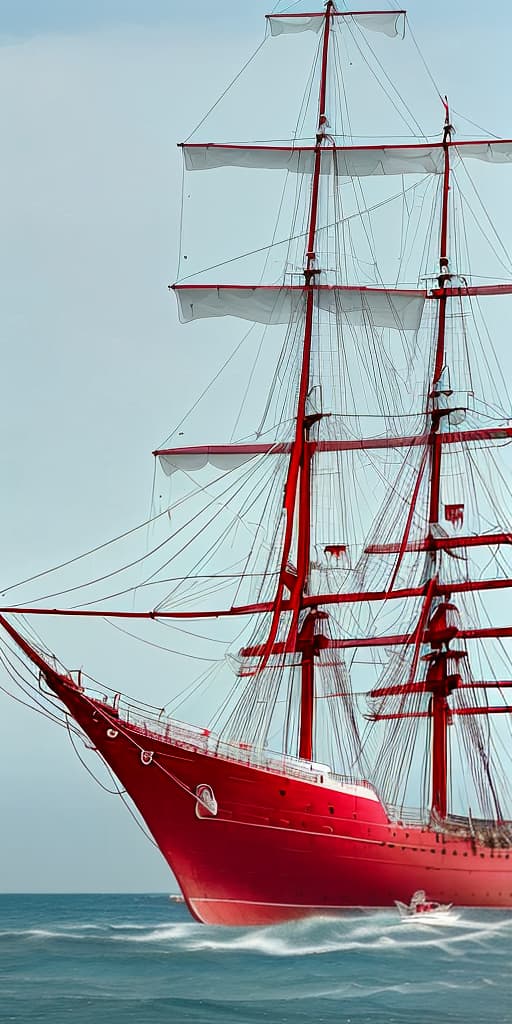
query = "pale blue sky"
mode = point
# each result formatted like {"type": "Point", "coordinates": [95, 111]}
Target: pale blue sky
{"type": "Point", "coordinates": [95, 369]}
{"type": "Point", "coordinates": [32, 17]}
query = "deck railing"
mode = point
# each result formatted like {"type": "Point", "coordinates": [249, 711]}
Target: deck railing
{"type": "Point", "coordinates": [156, 725]}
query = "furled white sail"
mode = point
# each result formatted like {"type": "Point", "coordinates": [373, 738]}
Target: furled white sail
{"type": "Point", "coordinates": [281, 305]}
{"type": "Point", "coordinates": [224, 457]}
{"type": "Point", "coordinates": [344, 161]}
{"type": "Point", "coordinates": [280, 26]}
{"type": "Point", "coordinates": [273, 305]}
{"type": "Point", "coordinates": [376, 306]}
{"type": "Point", "coordinates": [190, 463]}
{"type": "Point", "coordinates": [497, 151]}
{"type": "Point", "coordinates": [301, 160]}
{"type": "Point", "coordinates": [389, 22]}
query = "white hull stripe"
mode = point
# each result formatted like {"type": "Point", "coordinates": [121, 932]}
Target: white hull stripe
{"type": "Point", "coordinates": [285, 906]}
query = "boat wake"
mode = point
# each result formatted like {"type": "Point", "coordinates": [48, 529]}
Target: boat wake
{"type": "Point", "coordinates": [318, 936]}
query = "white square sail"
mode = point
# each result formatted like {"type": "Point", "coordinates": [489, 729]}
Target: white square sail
{"type": "Point", "coordinates": [274, 304]}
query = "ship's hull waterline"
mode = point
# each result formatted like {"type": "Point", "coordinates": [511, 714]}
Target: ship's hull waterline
{"type": "Point", "coordinates": [279, 847]}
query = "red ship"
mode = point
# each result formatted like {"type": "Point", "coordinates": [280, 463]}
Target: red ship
{"type": "Point", "coordinates": [373, 554]}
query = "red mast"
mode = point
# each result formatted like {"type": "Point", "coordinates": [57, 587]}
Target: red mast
{"type": "Point", "coordinates": [298, 484]}
{"type": "Point", "coordinates": [438, 623]}
{"type": "Point", "coordinates": [443, 280]}
{"type": "Point", "coordinates": [304, 424]}
{"type": "Point", "coordinates": [438, 679]}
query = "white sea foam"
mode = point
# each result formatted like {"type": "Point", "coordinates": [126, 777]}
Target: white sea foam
{"type": "Point", "coordinates": [34, 933]}
{"type": "Point", "coordinates": [75, 926]}
{"type": "Point", "coordinates": [158, 933]}
{"type": "Point", "coordinates": [134, 927]}
{"type": "Point", "coordinates": [318, 936]}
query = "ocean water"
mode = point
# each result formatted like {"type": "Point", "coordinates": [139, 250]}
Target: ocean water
{"type": "Point", "coordinates": [116, 959]}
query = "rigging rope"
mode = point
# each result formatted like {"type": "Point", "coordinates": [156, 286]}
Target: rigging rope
{"type": "Point", "coordinates": [228, 87]}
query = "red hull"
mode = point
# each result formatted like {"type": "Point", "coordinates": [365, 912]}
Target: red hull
{"type": "Point", "coordinates": [281, 847]}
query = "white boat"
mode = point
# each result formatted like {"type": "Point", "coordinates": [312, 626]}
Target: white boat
{"type": "Point", "coordinates": [422, 909]}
